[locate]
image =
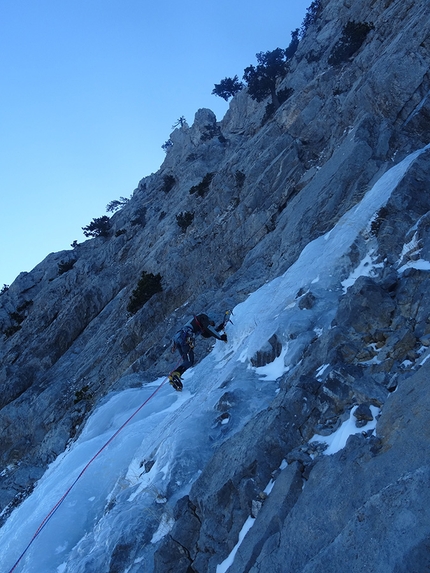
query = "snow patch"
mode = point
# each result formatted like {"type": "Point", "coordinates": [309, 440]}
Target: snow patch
{"type": "Point", "coordinates": [410, 247]}
{"type": "Point", "coordinates": [275, 369]}
{"type": "Point", "coordinates": [166, 525]}
{"type": "Point", "coordinates": [366, 268]}
{"type": "Point", "coordinates": [420, 264]}
{"type": "Point", "coordinates": [320, 371]}
{"type": "Point", "coordinates": [338, 439]}
{"type": "Point", "coordinates": [222, 567]}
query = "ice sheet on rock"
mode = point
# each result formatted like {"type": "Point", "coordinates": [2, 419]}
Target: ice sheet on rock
{"type": "Point", "coordinates": [321, 264]}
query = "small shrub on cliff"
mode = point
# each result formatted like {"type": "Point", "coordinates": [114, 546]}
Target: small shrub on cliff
{"type": "Point", "coordinates": [82, 394]}
{"type": "Point", "coordinates": [351, 40]}
{"type": "Point", "coordinates": [148, 285]}
{"type": "Point", "coordinates": [65, 266]}
{"type": "Point", "coordinates": [99, 227]}
{"type": "Point", "coordinates": [25, 306]}
{"type": "Point", "coordinates": [294, 44]}
{"type": "Point", "coordinates": [139, 217]}
{"type": "Point", "coordinates": [239, 178]}
{"type": "Point", "coordinates": [4, 289]}
{"type": "Point", "coordinates": [17, 318]}
{"type": "Point", "coordinates": [116, 204]}
{"type": "Point", "coordinates": [181, 122]}
{"type": "Point", "coordinates": [11, 330]}
{"type": "Point", "coordinates": [203, 187]}
{"type": "Point", "coordinates": [168, 183]}
{"type": "Point", "coordinates": [311, 15]}
{"type": "Point", "coordinates": [184, 220]}
{"type": "Point", "coordinates": [167, 145]}
{"type": "Point", "coordinates": [210, 131]}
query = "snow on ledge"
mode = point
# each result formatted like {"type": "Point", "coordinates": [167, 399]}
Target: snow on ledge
{"type": "Point", "coordinates": [222, 567]}
{"type": "Point", "coordinates": [338, 439]}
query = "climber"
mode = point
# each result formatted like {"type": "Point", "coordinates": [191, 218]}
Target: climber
{"type": "Point", "coordinates": [184, 342]}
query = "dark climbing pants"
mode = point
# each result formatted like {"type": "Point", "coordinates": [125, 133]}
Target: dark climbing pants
{"type": "Point", "coordinates": [187, 355]}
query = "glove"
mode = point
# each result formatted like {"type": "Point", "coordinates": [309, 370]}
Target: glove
{"type": "Point", "coordinates": [224, 337]}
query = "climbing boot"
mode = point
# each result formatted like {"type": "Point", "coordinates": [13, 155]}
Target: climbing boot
{"type": "Point", "coordinates": [175, 381]}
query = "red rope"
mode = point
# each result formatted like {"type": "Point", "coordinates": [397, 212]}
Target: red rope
{"type": "Point", "coordinates": [63, 497]}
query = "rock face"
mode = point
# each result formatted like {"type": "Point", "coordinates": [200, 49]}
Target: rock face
{"type": "Point", "coordinates": [232, 206]}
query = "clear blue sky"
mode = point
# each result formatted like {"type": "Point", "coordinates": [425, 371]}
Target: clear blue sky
{"type": "Point", "coordinates": [89, 92]}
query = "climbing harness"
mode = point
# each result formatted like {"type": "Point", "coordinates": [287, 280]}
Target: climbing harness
{"type": "Point", "coordinates": [190, 341]}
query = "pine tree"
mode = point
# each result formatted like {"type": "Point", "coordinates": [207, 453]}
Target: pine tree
{"type": "Point", "coordinates": [262, 79]}
{"type": "Point", "coordinates": [227, 88]}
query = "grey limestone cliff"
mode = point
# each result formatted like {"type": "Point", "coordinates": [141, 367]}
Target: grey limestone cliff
{"type": "Point", "coordinates": [257, 191]}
